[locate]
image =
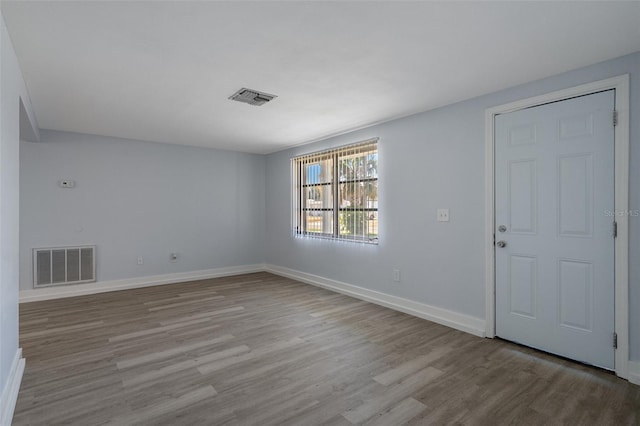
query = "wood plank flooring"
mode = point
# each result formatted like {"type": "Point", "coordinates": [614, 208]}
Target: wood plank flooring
{"type": "Point", "coordinates": [259, 349]}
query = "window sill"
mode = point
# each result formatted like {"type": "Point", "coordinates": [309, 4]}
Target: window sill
{"type": "Point", "coordinates": [373, 241]}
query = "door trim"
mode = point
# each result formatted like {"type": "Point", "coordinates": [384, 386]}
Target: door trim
{"type": "Point", "coordinates": [621, 179]}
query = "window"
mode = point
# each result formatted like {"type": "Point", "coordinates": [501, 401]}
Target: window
{"type": "Point", "coordinates": [335, 193]}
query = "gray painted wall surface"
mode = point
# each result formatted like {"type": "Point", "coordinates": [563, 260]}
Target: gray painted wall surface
{"type": "Point", "coordinates": [12, 89]}
{"type": "Point", "coordinates": [145, 199]}
{"type": "Point", "coordinates": [428, 161]}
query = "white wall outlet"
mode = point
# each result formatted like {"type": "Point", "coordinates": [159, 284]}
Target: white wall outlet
{"type": "Point", "coordinates": [140, 261]}
{"type": "Point", "coordinates": [443, 215]}
{"type": "Point", "coordinates": [396, 275]}
{"type": "Point", "coordinates": [173, 257]}
{"type": "Point", "coordinates": [67, 183]}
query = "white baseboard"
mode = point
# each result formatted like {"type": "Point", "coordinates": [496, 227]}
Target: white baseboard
{"type": "Point", "coordinates": [9, 395]}
{"type": "Point", "coordinates": [472, 325]}
{"type": "Point", "coordinates": [634, 372]}
{"type": "Point", "coordinates": [129, 283]}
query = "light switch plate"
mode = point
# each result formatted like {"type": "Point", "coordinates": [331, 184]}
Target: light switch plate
{"type": "Point", "coordinates": [443, 215]}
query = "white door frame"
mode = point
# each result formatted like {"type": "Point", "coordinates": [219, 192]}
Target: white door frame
{"type": "Point", "coordinates": [621, 85]}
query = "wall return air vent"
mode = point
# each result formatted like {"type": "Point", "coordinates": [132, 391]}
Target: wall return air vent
{"type": "Point", "coordinates": [64, 265]}
{"type": "Point", "coordinates": [251, 97]}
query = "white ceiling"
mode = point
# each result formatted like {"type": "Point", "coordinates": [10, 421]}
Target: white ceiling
{"type": "Point", "coordinates": [163, 71]}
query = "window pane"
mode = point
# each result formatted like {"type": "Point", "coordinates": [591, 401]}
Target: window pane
{"type": "Point", "coordinates": [319, 172]}
{"type": "Point", "coordinates": [359, 194]}
{"type": "Point", "coordinates": [371, 194]}
{"type": "Point", "coordinates": [372, 226]}
{"type": "Point", "coordinates": [372, 165]}
{"type": "Point", "coordinates": [319, 222]}
{"type": "Point", "coordinates": [319, 197]}
{"type": "Point", "coordinates": [351, 167]}
{"type": "Point", "coordinates": [358, 224]}
{"type": "Point", "coordinates": [358, 166]}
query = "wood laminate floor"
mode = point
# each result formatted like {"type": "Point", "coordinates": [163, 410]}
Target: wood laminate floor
{"type": "Point", "coordinates": [260, 349]}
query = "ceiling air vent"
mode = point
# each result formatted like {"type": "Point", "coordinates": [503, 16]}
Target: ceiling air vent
{"type": "Point", "coordinates": [251, 97]}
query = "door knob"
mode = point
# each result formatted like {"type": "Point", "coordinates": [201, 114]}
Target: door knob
{"type": "Point", "coordinates": [502, 228]}
{"type": "Point", "coordinates": [501, 244]}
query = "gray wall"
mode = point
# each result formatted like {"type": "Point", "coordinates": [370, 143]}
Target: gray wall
{"type": "Point", "coordinates": [145, 199]}
{"type": "Point", "coordinates": [12, 90]}
{"type": "Point", "coordinates": [431, 160]}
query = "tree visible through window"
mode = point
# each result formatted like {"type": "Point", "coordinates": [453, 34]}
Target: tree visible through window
{"type": "Point", "coordinates": [336, 193]}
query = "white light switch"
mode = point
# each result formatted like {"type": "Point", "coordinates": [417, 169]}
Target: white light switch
{"type": "Point", "coordinates": [65, 183]}
{"type": "Point", "coordinates": [443, 215]}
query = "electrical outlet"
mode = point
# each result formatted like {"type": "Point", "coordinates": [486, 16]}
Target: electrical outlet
{"type": "Point", "coordinates": [443, 215]}
{"type": "Point", "coordinates": [140, 261]}
{"type": "Point", "coordinates": [396, 275]}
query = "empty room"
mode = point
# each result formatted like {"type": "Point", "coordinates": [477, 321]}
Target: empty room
{"type": "Point", "coordinates": [319, 213]}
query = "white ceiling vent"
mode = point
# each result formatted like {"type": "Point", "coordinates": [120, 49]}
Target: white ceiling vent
{"type": "Point", "coordinates": [251, 97]}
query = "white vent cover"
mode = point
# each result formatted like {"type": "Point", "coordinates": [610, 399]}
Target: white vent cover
{"type": "Point", "coordinates": [251, 97]}
{"type": "Point", "coordinates": [64, 265]}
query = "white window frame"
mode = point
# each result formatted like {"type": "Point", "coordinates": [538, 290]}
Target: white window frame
{"type": "Point", "coordinates": [299, 183]}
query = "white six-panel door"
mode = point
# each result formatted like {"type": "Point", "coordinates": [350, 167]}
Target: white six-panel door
{"type": "Point", "coordinates": [554, 214]}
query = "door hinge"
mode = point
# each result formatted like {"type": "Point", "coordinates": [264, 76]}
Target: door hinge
{"type": "Point", "coordinates": [615, 118]}
{"type": "Point", "coordinates": [615, 340]}
{"type": "Point", "coordinates": [615, 229]}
